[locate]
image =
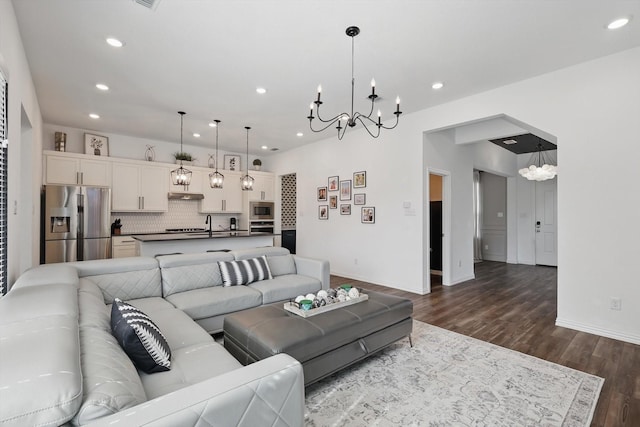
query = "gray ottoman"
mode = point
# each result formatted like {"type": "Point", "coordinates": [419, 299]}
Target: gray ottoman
{"type": "Point", "coordinates": [324, 343]}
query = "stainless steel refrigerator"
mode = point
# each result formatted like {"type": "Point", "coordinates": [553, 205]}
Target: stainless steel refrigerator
{"type": "Point", "coordinates": [76, 223]}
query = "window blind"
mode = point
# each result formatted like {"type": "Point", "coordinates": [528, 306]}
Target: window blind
{"type": "Point", "coordinates": [3, 184]}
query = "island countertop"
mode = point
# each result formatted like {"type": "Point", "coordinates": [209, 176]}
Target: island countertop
{"type": "Point", "coordinates": [161, 237]}
{"type": "Point", "coordinates": [167, 243]}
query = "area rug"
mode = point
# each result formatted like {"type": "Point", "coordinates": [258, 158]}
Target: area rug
{"type": "Point", "coordinates": [448, 379]}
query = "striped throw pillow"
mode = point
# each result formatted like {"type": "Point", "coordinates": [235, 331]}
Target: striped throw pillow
{"type": "Point", "coordinates": [244, 271]}
{"type": "Point", "coordinates": [140, 338]}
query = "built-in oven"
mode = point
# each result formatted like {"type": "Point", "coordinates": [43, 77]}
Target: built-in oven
{"type": "Point", "coordinates": [261, 227]}
{"type": "Point", "coordinates": [261, 211]}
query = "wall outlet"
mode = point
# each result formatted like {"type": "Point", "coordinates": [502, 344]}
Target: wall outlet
{"type": "Point", "coordinates": [486, 247]}
{"type": "Point", "coordinates": [615, 304]}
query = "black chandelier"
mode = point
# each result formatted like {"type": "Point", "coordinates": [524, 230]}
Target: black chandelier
{"type": "Point", "coordinates": [216, 179]}
{"type": "Point", "coordinates": [354, 117]}
{"type": "Point", "coordinates": [181, 176]}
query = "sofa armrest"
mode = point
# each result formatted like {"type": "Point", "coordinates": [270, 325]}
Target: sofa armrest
{"type": "Point", "coordinates": [266, 393]}
{"type": "Point", "coordinates": [318, 269]}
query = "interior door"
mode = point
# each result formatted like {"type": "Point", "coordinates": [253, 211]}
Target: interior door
{"type": "Point", "coordinates": [435, 218]}
{"type": "Point", "coordinates": [546, 227]}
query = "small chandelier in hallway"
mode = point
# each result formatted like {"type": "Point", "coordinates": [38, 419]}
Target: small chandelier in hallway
{"type": "Point", "coordinates": [541, 168]}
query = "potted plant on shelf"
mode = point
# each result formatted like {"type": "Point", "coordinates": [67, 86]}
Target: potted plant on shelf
{"type": "Point", "coordinates": [256, 164]}
{"type": "Point", "coordinates": [186, 158]}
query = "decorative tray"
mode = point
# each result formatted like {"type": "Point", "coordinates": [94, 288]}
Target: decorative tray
{"type": "Point", "coordinates": [291, 306]}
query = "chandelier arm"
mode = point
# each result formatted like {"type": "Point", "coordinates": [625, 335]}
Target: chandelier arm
{"type": "Point", "coordinates": [329, 122]}
{"type": "Point", "coordinates": [359, 118]}
{"type": "Point", "coordinates": [392, 127]}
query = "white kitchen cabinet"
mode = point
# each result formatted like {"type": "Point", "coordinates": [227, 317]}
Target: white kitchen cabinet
{"type": "Point", "coordinates": [139, 187]}
{"type": "Point", "coordinates": [227, 199]}
{"type": "Point", "coordinates": [263, 187]}
{"type": "Point", "coordinates": [124, 246]}
{"type": "Point", "coordinates": [71, 170]}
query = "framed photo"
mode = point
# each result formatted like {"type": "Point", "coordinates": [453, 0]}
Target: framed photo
{"type": "Point", "coordinates": [345, 189]}
{"type": "Point", "coordinates": [323, 212]}
{"type": "Point", "coordinates": [322, 194]}
{"type": "Point", "coordinates": [360, 199]}
{"type": "Point", "coordinates": [333, 202]}
{"type": "Point", "coordinates": [360, 179]}
{"type": "Point", "coordinates": [232, 162]}
{"type": "Point", "coordinates": [333, 183]}
{"type": "Point", "coordinates": [97, 145]}
{"type": "Point", "coordinates": [345, 209]}
{"type": "Point", "coordinates": [368, 215]}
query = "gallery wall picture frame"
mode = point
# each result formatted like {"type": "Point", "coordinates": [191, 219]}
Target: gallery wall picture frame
{"type": "Point", "coordinates": [345, 189]}
{"type": "Point", "coordinates": [333, 202]}
{"type": "Point", "coordinates": [360, 199]}
{"type": "Point", "coordinates": [322, 194]}
{"type": "Point", "coordinates": [360, 179]}
{"type": "Point", "coordinates": [345, 209]}
{"type": "Point", "coordinates": [96, 145]}
{"type": "Point", "coordinates": [368, 215]}
{"type": "Point", "coordinates": [232, 162]}
{"type": "Point", "coordinates": [323, 212]}
{"type": "Point", "coordinates": [333, 183]}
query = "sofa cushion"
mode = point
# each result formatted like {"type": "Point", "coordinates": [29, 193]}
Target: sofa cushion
{"type": "Point", "coordinates": [191, 365]}
{"type": "Point", "coordinates": [286, 287]}
{"type": "Point", "coordinates": [281, 264]}
{"type": "Point", "coordinates": [185, 272]}
{"type": "Point", "coordinates": [209, 302]}
{"type": "Point", "coordinates": [124, 278]}
{"type": "Point", "coordinates": [140, 338]}
{"type": "Point", "coordinates": [245, 271]}
{"type": "Point", "coordinates": [110, 380]}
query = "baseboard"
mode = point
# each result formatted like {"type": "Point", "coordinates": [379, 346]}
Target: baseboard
{"type": "Point", "coordinates": [460, 280]}
{"type": "Point", "coordinates": [592, 329]}
{"type": "Point", "coordinates": [369, 280]}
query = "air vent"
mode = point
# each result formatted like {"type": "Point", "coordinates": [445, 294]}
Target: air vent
{"type": "Point", "coordinates": [149, 4]}
{"type": "Point", "coordinates": [509, 142]}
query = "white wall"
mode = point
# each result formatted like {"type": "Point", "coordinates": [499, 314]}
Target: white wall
{"type": "Point", "coordinates": [584, 106]}
{"type": "Point", "coordinates": [25, 148]}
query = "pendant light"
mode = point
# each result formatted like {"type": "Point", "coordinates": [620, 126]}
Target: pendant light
{"type": "Point", "coordinates": [247, 180]}
{"type": "Point", "coordinates": [541, 169]}
{"type": "Point", "coordinates": [216, 179]}
{"type": "Point", "coordinates": [181, 176]}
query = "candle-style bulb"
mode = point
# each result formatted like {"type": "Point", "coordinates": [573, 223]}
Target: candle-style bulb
{"type": "Point", "coordinates": [319, 89]}
{"type": "Point", "coordinates": [311, 107]}
{"type": "Point", "coordinates": [379, 113]}
{"type": "Point", "coordinates": [398, 100]}
{"type": "Point", "coordinates": [373, 82]}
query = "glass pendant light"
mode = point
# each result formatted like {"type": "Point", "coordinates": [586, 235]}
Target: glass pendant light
{"type": "Point", "coordinates": [216, 179]}
{"type": "Point", "coordinates": [541, 169]}
{"type": "Point", "coordinates": [247, 180]}
{"type": "Point", "coordinates": [181, 176]}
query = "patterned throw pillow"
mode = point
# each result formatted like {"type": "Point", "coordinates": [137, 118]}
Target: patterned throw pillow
{"type": "Point", "coordinates": [140, 338]}
{"type": "Point", "coordinates": [244, 271]}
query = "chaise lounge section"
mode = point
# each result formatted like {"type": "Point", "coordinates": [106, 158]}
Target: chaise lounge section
{"type": "Point", "coordinates": [62, 364]}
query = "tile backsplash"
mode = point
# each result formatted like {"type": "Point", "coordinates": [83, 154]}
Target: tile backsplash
{"type": "Point", "coordinates": [181, 214]}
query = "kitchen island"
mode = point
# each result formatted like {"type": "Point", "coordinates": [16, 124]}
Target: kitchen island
{"type": "Point", "coordinates": [163, 243]}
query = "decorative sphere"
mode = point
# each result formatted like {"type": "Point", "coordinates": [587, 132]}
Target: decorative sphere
{"type": "Point", "coordinates": [331, 292]}
{"type": "Point", "coordinates": [322, 294]}
{"type": "Point", "coordinates": [310, 297]}
{"type": "Point", "coordinates": [342, 292]}
{"type": "Point", "coordinates": [342, 297]}
{"type": "Point", "coordinates": [354, 293]}
{"type": "Point", "coordinates": [299, 298]}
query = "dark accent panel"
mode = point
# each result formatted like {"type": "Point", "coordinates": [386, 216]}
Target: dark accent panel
{"type": "Point", "coordinates": [289, 240]}
{"type": "Point", "coordinates": [435, 233]}
{"type": "Point", "coordinates": [526, 143]}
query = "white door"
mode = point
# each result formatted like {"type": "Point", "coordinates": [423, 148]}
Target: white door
{"type": "Point", "coordinates": [546, 223]}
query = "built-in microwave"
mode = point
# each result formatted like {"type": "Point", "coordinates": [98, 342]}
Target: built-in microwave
{"type": "Point", "coordinates": [261, 210]}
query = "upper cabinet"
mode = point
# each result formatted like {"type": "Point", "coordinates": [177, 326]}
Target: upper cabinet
{"type": "Point", "coordinates": [76, 170]}
{"type": "Point", "coordinates": [263, 187]}
{"type": "Point", "coordinates": [227, 199]}
{"type": "Point", "coordinates": [139, 186]}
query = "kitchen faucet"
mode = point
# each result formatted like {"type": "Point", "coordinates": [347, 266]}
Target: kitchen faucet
{"type": "Point", "coordinates": [208, 221]}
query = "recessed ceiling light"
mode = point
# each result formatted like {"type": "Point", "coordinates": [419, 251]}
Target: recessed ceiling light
{"type": "Point", "coordinates": [437, 85]}
{"type": "Point", "coordinates": [196, 135]}
{"type": "Point", "coordinates": [618, 23]}
{"type": "Point", "coordinates": [299, 134]}
{"type": "Point", "coordinates": [94, 116]}
{"type": "Point", "coordinates": [212, 124]}
{"type": "Point", "coordinates": [261, 90]}
{"type": "Point", "coordinates": [509, 142]}
{"type": "Point", "coordinates": [102, 86]}
{"type": "Point", "coordinates": [264, 147]}
{"type": "Point", "coordinates": [114, 42]}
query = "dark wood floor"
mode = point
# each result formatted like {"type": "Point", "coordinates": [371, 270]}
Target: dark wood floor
{"type": "Point", "coordinates": [514, 306]}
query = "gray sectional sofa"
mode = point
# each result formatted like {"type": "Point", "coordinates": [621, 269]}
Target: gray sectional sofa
{"type": "Point", "coordinates": [61, 365]}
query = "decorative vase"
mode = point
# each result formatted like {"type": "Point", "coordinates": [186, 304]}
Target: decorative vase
{"type": "Point", "coordinates": [256, 167]}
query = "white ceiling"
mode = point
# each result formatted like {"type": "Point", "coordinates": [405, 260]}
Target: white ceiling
{"type": "Point", "coordinates": [207, 57]}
